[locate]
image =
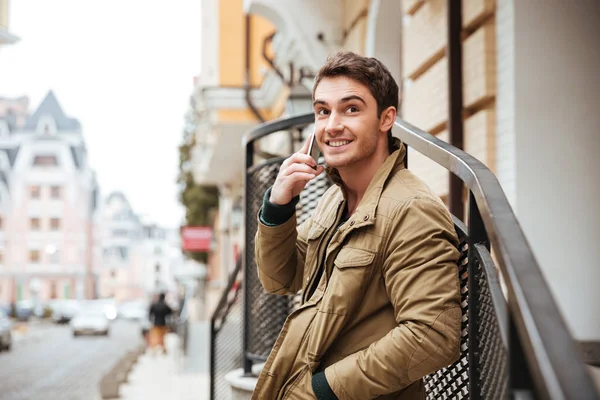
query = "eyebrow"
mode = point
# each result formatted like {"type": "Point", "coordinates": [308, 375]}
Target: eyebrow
{"type": "Point", "coordinates": [343, 100]}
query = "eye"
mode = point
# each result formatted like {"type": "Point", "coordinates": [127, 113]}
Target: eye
{"type": "Point", "coordinates": [322, 111]}
{"type": "Point", "coordinates": [352, 109]}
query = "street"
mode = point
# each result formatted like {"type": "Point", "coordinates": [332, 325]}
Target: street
{"type": "Point", "coordinates": [49, 363]}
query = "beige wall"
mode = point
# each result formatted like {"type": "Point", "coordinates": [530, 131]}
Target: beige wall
{"type": "Point", "coordinates": [4, 14]}
{"type": "Point", "coordinates": [557, 123]}
{"type": "Point", "coordinates": [354, 17]}
{"type": "Point", "coordinates": [425, 79]}
{"type": "Point", "coordinates": [232, 46]}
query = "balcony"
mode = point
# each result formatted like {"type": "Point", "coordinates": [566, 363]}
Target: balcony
{"type": "Point", "coordinates": [220, 118]}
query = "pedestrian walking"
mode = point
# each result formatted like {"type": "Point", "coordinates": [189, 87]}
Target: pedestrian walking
{"type": "Point", "coordinates": [159, 313]}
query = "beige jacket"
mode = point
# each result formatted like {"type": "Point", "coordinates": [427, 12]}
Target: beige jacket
{"type": "Point", "coordinates": [386, 311]}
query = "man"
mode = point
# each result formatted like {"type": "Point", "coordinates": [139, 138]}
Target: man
{"type": "Point", "coordinates": [376, 262]}
{"type": "Point", "coordinates": [159, 311]}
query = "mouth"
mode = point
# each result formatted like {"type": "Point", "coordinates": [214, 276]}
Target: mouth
{"type": "Point", "coordinates": [338, 143]}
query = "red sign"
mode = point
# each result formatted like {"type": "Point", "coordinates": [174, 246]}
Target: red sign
{"type": "Point", "coordinates": [196, 238]}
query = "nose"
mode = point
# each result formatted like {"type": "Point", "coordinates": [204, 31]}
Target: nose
{"type": "Point", "coordinates": [334, 124]}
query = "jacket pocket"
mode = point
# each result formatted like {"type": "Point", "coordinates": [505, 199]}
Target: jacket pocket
{"type": "Point", "coordinates": [353, 258]}
{"type": "Point", "coordinates": [347, 281]}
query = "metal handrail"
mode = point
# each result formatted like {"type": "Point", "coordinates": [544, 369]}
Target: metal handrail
{"type": "Point", "coordinates": [535, 322]}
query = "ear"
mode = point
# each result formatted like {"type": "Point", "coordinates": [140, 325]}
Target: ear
{"type": "Point", "coordinates": [387, 119]}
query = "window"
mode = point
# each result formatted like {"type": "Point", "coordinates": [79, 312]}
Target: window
{"type": "Point", "coordinates": [34, 224]}
{"type": "Point", "coordinates": [120, 233]}
{"type": "Point", "coordinates": [123, 253]}
{"type": "Point", "coordinates": [45, 161]}
{"type": "Point", "coordinates": [55, 257]}
{"type": "Point", "coordinates": [55, 192]}
{"type": "Point", "coordinates": [35, 192]}
{"type": "Point", "coordinates": [34, 256]}
{"type": "Point", "coordinates": [54, 224]}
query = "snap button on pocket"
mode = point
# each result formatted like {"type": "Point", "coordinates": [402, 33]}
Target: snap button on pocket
{"type": "Point", "coordinates": [351, 223]}
{"type": "Point", "coordinates": [366, 217]}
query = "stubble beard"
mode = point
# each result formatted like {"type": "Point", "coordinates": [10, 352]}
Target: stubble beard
{"type": "Point", "coordinates": [361, 151]}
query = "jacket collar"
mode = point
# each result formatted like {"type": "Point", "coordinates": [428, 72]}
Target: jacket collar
{"type": "Point", "coordinates": [365, 212]}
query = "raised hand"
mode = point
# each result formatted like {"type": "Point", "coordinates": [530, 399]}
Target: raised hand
{"type": "Point", "coordinates": [294, 174]}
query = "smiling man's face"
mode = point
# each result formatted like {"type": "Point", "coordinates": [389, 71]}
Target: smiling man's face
{"type": "Point", "coordinates": [347, 124]}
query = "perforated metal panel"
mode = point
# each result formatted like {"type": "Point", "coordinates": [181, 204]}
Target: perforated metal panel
{"type": "Point", "coordinates": [492, 355]}
{"type": "Point", "coordinates": [453, 382]}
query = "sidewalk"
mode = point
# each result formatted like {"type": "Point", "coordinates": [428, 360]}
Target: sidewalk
{"type": "Point", "coordinates": [158, 376]}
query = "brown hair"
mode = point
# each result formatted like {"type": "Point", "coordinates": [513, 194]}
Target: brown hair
{"type": "Point", "coordinates": [367, 70]}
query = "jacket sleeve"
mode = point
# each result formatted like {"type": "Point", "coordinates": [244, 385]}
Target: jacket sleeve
{"type": "Point", "coordinates": [280, 252]}
{"type": "Point", "coordinates": [421, 279]}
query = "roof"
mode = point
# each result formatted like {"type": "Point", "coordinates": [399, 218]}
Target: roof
{"type": "Point", "coordinates": [51, 107]}
{"type": "Point", "coordinates": [11, 153]}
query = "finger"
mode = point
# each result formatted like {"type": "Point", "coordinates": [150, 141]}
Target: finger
{"type": "Point", "coordinates": [320, 169]}
{"type": "Point", "coordinates": [298, 167]}
{"type": "Point", "coordinates": [302, 158]}
{"type": "Point", "coordinates": [297, 158]}
{"type": "Point", "coordinates": [299, 177]}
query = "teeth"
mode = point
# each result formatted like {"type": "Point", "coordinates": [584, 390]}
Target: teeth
{"type": "Point", "coordinates": [338, 143]}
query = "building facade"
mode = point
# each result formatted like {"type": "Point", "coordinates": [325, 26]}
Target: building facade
{"type": "Point", "coordinates": [138, 258]}
{"type": "Point", "coordinates": [49, 196]}
{"type": "Point", "coordinates": [119, 266]}
{"type": "Point", "coordinates": [161, 258]}
{"type": "Point", "coordinates": [235, 90]}
{"type": "Point", "coordinates": [6, 37]}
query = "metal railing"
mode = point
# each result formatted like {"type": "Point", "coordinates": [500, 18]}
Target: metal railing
{"type": "Point", "coordinates": [226, 336]}
{"type": "Point", "coordinates": [512, 345]}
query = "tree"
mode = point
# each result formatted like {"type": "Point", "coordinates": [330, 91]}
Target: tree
{"type": "Point", "coordinates": [200, 201]}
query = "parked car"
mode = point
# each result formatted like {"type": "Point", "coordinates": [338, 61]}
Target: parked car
{"type": "Point", "coordinates": [90, 320]}
{"type": "Point", "coordinates": [5, 332]}
{"type": "Point", "coordinates": [24, 310]}
{"type": "Point", "coordinates": [65, 310]}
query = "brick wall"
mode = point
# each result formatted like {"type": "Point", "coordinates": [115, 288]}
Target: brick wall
{"type": "Point", "coordinates": [425, 80]}
{"type": "Point", "coordinates": [354, 20]}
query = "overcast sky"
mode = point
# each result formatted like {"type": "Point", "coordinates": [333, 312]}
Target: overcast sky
{"type": "Point", "coordinates": [125, 69]}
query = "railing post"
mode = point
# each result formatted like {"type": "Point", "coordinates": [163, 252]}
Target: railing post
{"type": "Point", "coordinates": [455, 99]}
{"type": "Point", "coordinates": [519, 377]}
{"type": "Point", "coordinates": [213, 354]}
{"type": "Point", "coordinates": [249, 160]}
{"type": "Point", "coordinates": [477, 234]}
